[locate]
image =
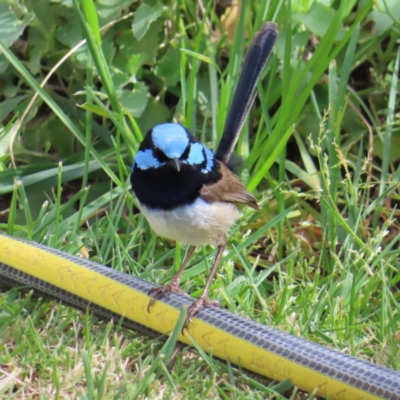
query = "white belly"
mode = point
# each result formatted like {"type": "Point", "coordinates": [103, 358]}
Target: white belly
{"type": "Point", "coordinates": [196, 224]}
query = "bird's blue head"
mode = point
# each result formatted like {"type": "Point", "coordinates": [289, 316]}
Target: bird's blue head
{"type": "Point", "coordinates": [171, 167]}
{"type": "Point", "coordinates": [172, 145]}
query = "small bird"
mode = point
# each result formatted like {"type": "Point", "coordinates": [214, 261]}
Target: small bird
{"type": "Point", "coordinates": [187, 193]}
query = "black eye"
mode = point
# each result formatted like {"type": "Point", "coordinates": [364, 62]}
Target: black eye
{"type": "Point", "coordinates": [185, 154]}
{"type": "Point", "coordinates": [157, 153]}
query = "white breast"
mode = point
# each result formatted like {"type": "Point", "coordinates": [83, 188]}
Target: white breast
{"type": "Point", "coordinates": [196, 224]}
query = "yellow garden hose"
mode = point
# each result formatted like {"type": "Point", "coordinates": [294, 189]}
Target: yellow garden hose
{"type": "Point", "coordinates": [256, 347]}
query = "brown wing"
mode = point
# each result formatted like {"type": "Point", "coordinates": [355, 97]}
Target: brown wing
{"type": "Point", "coordinates": [228, 189]}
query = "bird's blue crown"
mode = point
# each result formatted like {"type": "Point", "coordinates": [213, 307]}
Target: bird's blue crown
{"type": "Point", "coordinates": [170, 141]}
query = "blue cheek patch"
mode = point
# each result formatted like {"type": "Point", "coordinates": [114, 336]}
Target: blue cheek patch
{"type": "Point", "coordinates": [210, 159]}
{"type": "Point", "coordinates": [171, 139]}
{"type": "Point", "coordinates": [196, 155]}
{"type": "Point", "coordinates": [145, 160]}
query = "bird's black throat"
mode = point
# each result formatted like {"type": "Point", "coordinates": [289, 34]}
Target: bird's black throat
{"type": "Point", "coordinates": [165, 188]}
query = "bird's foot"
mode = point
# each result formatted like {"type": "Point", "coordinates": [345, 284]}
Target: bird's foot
{"type": "Point", "coordinates": [158, 292]}
{"type": "Point", "coordinates": [196, 306]}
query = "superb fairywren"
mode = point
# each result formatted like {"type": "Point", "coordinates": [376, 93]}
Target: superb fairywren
{"type": "Point", "coordinates": [187, 193]}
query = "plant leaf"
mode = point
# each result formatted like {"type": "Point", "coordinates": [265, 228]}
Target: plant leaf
{"type": "Point", "coordinates": [168, 68]}
{"type": "Point", "coordinates": [134, 101]}
{"type": "Point", "coordinates": [10, 26]}
{"type": "Point", "coordinates": [9, 105]}
{"type": "Point", "coordinates": [144, 16]}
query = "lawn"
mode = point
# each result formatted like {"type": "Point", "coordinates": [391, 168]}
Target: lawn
{"type": "Point", "coordinates": [80, 85]}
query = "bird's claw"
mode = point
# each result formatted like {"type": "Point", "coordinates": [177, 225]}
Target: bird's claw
{"type": "Point", "coordinates": [157, 292]}
{"type": "Point", "coordinates": [195, 307]}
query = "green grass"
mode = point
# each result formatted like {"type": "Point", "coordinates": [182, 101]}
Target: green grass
{"type": "Point", "coordinates": [321, 153]}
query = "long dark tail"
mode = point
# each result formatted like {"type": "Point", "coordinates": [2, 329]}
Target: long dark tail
{"type": "Point", "coordinates": [254, 63]}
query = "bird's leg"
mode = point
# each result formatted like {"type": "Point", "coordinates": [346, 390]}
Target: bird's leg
{"type": "Point", "coordinates": [203, 300]}
{"type": "Point", "coordinates": [173, 286]}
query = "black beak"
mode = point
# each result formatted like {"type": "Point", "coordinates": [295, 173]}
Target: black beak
{"type": "Point", "coordinates": [176, 163]}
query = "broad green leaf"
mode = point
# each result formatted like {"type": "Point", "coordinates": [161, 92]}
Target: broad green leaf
{"type": "Point", "coordinates": [110, 9]}
{"type": "Point", "coordinates": [394, 148]}
{"type": "Point", "coordinates": [384, 21]}
{"type": "Point", "coordinates": [318, 18]}
{"type": "Point", "coordinates": [11, 91]}
{"type": "Point", "coordinates": [48, 16]}
{"type": "Point", "coordinates": [147, 47]}
{"type": "Point", "coordinates": [301, 6]}
{"type": "Point", "coordinates": [155, 113]}
{"type": "Point", "coordinates": [10, 26]}
{"type": "Point", "coordinates": [109, 51]}
{"type": "Point", "coordinates": [9, 105]}
{"type": "Point", "coordinates": [70, 34]}
{"type": "Point", "coordinates": [144, 16]}
{"type": "Point", "coordinates": [61, 140]}
{"type": "Point", "coordinates": [168, 68]}
{"type": "Point", "coordinates": [134, 63]}
{"type": "Point", "coordinates": [35, 58]}
{"type": "Point", "coordinates": [134, 101]}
